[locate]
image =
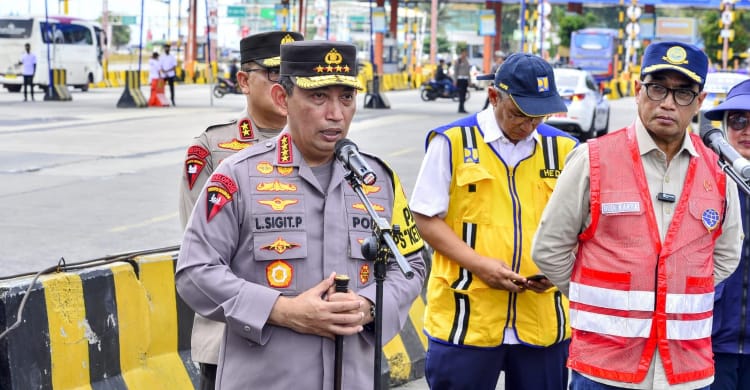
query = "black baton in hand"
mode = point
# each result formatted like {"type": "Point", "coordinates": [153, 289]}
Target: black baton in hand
{"type": "Point", "coordinates": [341, 283]}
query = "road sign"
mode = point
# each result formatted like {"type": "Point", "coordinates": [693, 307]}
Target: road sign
{"type": "Point", "coordinates": [633, 29]}
{"type": "Point", "coordinates": [129, 20]}
{"type": "Point", "coordinates": [633, 12]}
{"type": "Point", "coordinates": [234, 11]}
{"type": "Point", "coordinates": [726, 18]}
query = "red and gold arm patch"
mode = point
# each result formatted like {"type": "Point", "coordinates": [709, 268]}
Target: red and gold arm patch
{"type": "Point", "coordinates": [194, 163]}
{"type": "Point", "coordinates": [217, 196]}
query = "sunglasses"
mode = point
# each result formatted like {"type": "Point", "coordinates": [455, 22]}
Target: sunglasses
{"type": "Point", "coordinates": [738, 122]}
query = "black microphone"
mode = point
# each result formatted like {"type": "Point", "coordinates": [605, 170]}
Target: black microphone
{"type": "Point", "coordinates": [348, 153]}
{"type": "Point", "coordinates": [714, 139]}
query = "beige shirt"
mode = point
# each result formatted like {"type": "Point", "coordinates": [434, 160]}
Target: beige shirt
{"type": "Point", "coordinates": [568, 213]}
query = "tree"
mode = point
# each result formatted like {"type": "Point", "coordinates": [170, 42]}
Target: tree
{"type": "Point", "coordinates": [120, 35]}
{"type": "Point", "coordinates": [570, 23]}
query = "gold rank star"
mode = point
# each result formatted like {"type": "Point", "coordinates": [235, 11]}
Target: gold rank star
{"type": "Point", "coordinates": [346, 68]}
{"type": "Point", "coordinates": [338, 68]}
{"type": "Point", "coordinates": [329, 69]}
{"type": "Point", "coordinates": [246, 129]}
{"type": "Point", "coordinates": [320, 69]}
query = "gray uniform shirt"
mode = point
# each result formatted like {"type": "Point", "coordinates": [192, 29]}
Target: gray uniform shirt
{"type": "Point", "coordinates": [264, 227]}
{"type": "Point", "coordinates": [568, 213]}
{"type": "Point", "coordinates": [203, 155]}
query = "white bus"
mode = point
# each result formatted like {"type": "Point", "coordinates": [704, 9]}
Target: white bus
{"type": "Point", "coordinates": [75, 45]}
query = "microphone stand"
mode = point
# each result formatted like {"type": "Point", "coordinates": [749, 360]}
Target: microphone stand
{"type": "Point", "coordinates": [727, 168]}
{"type": "Point", "coordinates": [378, 248]}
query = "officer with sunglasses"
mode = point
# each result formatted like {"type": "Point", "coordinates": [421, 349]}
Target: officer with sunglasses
{"type": "Point", "coordinates": [260, 120]}
{"type": "Point", "coordinates": [640, 227]}
{"type": "Point", "coordinates": [731, 328]}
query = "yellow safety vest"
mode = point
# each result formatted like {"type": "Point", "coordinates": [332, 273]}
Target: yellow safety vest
{"type": "Point", "coordinates": [496, 209]}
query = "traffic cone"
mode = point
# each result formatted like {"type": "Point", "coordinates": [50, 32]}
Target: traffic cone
{"type": "Point", "coordinates": [157, 98]}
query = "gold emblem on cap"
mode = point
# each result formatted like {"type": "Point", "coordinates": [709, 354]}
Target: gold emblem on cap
{"type": "Point", "coordinates": [288, 38]}
{"type": "Point", "coordinates": [676, 55]}
{"type": "Point", "coordinates": [333, 57]}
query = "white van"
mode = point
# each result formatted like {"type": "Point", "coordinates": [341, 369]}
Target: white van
{"type": "Point", "coordinates": [74, 45]}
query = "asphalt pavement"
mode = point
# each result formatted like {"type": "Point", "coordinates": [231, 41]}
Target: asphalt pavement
{"type": "Point", "coordinates": [83, 179]}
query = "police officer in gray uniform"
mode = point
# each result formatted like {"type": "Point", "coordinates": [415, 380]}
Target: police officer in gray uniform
{"type": "Point", "coordinates": [261, 120]}
{"type": "Point", "coordinates": [277, 221]}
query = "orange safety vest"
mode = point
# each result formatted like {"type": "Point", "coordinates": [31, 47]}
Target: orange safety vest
{"type": "Point", "coordinates": [630, 293]}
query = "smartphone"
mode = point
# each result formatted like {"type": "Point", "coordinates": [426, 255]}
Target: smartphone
{"type": "Point", "coordinates": [536, 278]}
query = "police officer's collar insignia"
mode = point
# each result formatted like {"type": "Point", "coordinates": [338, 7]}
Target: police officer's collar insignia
{"type": "Point", "coordinates": [364, 273]}
{"type": "Point", "coordinates": [220, 191]}
{"type": "Point", "coordinates": [279, 274]}
{"type": "Point", "coordinates": [278, 204]}
{"type": "Point", "coordinates": [285, 149]}
{"type": "Point", "coordinates": [196, 160]}
{"type": "Point", "coordinates": [276, 186]}
{"type": "Point", "coordinates": [264, 167]}
{"type": "Point", "coordinates": [285, 171]}
{"type": "Point", "coordinates": [370, 189]}
{"type": "Point", "coordinates": [710, 219]}
{"type": "Point", "coordinates": [246, 129]}
{"type": "Point", "coordinates": [280, 246]}
{"type": "Point", "coordinates": [676, 55]}
{"type": "Point", "coordinates": [361, 206]}
{"type": "Point", "coordinates": [234, 144]}
{"type": "Point", "coordinates": [471, 155]}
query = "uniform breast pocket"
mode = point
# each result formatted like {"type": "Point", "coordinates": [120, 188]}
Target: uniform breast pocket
{"type": "Point", "coordinates": [474, 184]}
{"type": "Point", "coordinates": [280, 261]}
{"type": "Point", "coordinates": [359, 269]}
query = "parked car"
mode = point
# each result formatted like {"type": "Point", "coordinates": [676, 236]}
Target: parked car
{"type": "Point", "coordinates": [717, 86]}
{"type": "Point", "coordinates": [588, 108]}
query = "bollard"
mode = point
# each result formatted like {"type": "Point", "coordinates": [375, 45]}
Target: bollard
{"type": "Point", "coordinates": [132, 96]}
{"type": "Point", "coordinates": [373, 98]}
{"type": "Point", "coordinates": [59, 88]}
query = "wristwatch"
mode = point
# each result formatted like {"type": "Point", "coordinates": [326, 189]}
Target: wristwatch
{"type": "Point", "coordinates": [372, 310]}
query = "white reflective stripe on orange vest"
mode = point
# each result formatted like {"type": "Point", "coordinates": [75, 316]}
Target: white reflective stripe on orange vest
{"type": "Point", "coordinates": [690, 303]}
{"type": "Point", "coordinates": [689, 330]}
{"type": "Point", "coordinates": [637, 327]}
{"type": "Point", "coordinates": [608, 324]}
{"type": "Point", "coordinates": [611, 299]}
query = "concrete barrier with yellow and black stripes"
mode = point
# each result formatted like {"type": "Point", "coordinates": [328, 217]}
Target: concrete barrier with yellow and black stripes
{"type": "Point", "coordinates": [121, 325]}
{"type": "Point", "coordinates": [59, 88]}
{"type": "Point", "coordinates": [132, 95]}
{"type": "Point", "coordinates": [112, 326]}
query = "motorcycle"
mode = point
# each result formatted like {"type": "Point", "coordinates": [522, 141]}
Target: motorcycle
{"type": "Point", "coordinates": [224, 86]}
{"type": "Point", "coordinates": [433, 89]}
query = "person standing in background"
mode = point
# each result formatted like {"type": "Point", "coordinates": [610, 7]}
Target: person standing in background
{"type": "Point", "coordinates": [154, 68]}
{"type": "Point", "coordinates": [499, 58]}
{"type": "Point", "coordinates": [261, 120]}
{"type": "Point", "coordinates": [168, 66]}
{"type": "Point", "coordinates": [731, 328]}
{"type": "Point", "coordinates": [28, 61]}
{"type": "Point", "coordinates": [462, 72]}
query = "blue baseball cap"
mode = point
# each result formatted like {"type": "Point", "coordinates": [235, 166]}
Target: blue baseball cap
{"type": "Point", "coordinates": [738, 99]}
{"type": "Point", "coordinates": [530, 82]}
{"type": "Point", "coordinates": [682, 57]}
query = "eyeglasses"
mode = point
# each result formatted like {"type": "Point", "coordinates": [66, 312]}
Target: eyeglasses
{"type": "Point", "coordinates": [273, 74]}
{"type": "Point", "coordinates": [682, 96]}
{"type": "Point", "coordinates": [513, 114]}
{"type": "Point", "coordinates": [737, 122]}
